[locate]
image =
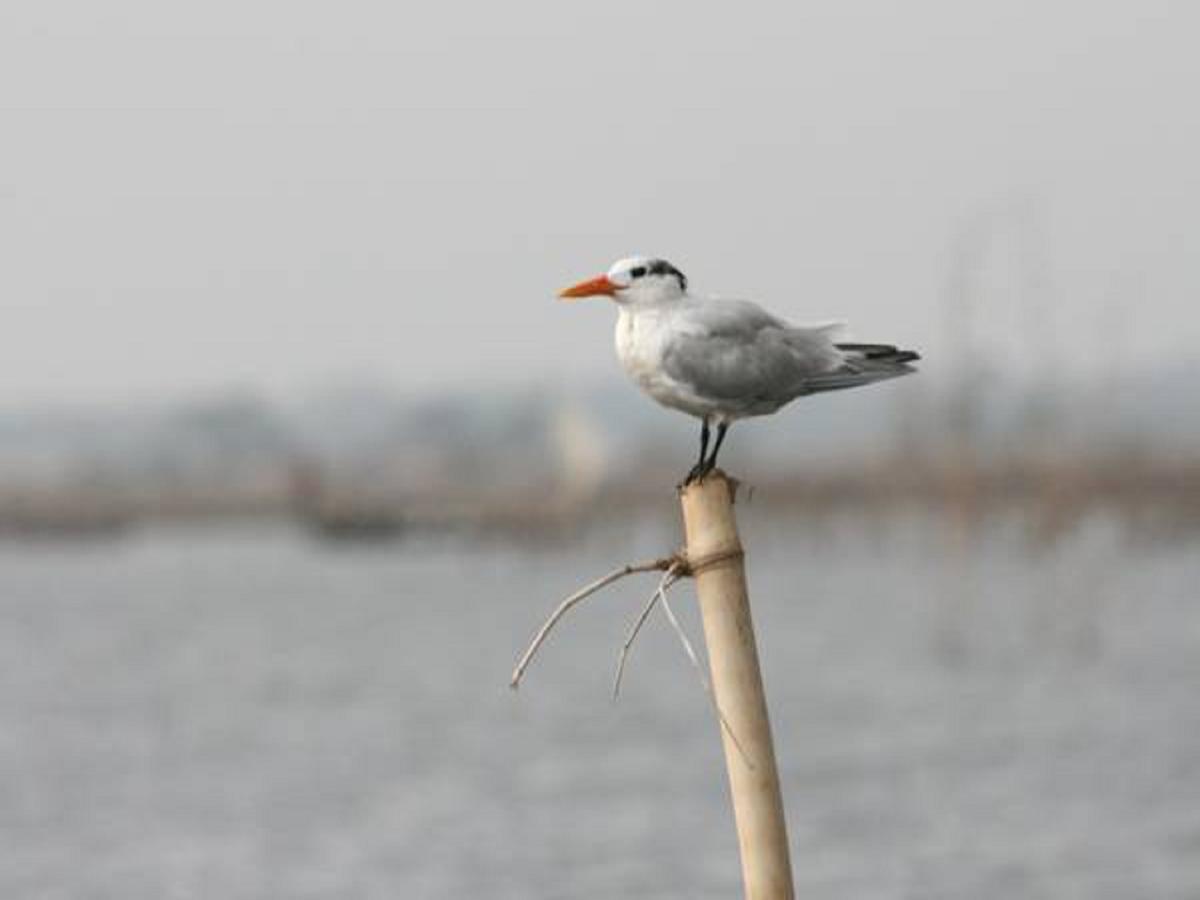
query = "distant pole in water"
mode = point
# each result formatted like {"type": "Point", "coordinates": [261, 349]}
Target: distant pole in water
{"type": "Point", "coordinates": [715, 559]}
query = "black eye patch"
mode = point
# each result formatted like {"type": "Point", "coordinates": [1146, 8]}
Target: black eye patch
{"type": "Point", "coordinates": [637, 271]}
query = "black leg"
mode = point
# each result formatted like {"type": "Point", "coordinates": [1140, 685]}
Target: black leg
{"type": "Point", "coordinates": [698, 469]}
{"type": "Point", "coordinates": [712, 460]}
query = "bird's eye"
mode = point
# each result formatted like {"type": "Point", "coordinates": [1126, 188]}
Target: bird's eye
{"type": "Point", "coordinates": [637, 271]}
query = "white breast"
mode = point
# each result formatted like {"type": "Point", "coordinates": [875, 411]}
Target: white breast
{"type": "Point", "coordinates": [641, 339]}
{"type": "Point", "coordinates": [639, 344]}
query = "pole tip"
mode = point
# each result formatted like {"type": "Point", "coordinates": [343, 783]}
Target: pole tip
{"type": "Point", "coordinates": [710, 478]}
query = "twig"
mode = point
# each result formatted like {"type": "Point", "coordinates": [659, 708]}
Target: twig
{"type": "Point", "coordinates": [673, 568]}
{"type": "Point", "coordinates": [687, 646]}
{"type": "Point", "coordinates": [672, 575]}
{"type": "Point", "coordinates": [656, 565]}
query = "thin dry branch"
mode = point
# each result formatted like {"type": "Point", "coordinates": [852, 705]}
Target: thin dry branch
{"type": "Point", "coordinates": [657, 565]}
{"type": "Point", "coordinates": [687, 646]}
{"type": "Point", "coordinates": [669, 578]}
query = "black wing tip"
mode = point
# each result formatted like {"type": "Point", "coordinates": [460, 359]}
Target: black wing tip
{"type": "Point", "coordinates": [881, 352]}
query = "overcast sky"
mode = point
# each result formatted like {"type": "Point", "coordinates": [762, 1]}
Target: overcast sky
{"type": "Point", "coordinates": [274, 195]}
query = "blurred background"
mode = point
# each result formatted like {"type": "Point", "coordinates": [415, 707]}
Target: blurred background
{"type": "Point", "coordinates": [296, 446]}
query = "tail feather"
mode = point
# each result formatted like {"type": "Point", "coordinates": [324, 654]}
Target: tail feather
{"type": "Point", "coordinates": [864, 364]}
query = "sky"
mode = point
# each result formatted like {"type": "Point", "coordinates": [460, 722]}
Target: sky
{"type": "Point", "coordinates": [279, 195]}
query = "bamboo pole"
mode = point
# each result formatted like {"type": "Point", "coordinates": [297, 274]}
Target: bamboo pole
{"type": "Point", "coordinates": [714, 555]}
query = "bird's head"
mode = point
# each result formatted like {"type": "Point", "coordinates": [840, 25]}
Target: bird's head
{"type": "Point", "coordinates": [636, 281]}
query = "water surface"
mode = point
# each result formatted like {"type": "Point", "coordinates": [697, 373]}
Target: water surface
{"type": "Point", "coordinates": [247, 713]}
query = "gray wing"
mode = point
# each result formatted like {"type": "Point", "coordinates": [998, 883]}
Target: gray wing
{"type": "Point", "coordinates": [729, 350]}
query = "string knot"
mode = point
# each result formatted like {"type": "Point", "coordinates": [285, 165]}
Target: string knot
{"type": "Point", "coordinates": [714, 559]}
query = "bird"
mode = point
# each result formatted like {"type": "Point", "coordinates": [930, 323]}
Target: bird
{"type": "Point", "coordinates": [723, 360]}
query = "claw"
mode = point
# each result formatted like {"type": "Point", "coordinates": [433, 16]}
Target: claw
{"type": "Point", "coordinates": [696, 473]}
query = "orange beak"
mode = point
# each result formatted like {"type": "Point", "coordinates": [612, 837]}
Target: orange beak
{"type": "Point", "coordinates": [593, 287]}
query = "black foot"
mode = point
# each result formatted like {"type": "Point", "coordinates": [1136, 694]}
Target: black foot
{"type": "Point", "coordinates": [697, 473]}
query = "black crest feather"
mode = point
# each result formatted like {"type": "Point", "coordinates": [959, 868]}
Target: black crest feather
{"type": "Point", "coordinates": [662, 267]}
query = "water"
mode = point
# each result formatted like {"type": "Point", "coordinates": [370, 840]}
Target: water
{"type": "Point", "coordinates": [247, 714]}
